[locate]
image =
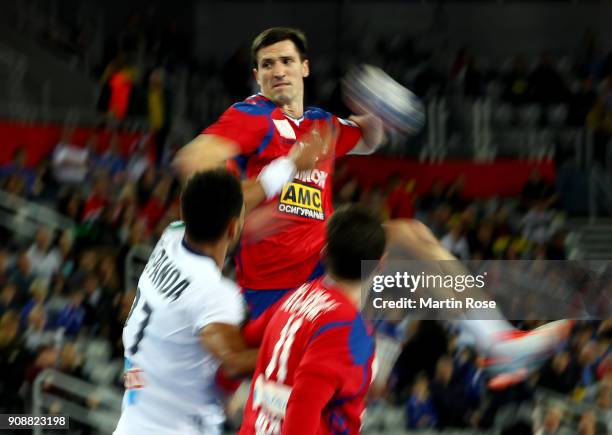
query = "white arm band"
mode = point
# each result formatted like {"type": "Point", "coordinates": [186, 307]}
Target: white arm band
{"type": "Point", "coordinates": [275, 175]}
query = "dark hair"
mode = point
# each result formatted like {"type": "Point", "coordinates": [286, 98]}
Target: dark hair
{"type": "Point", "coordinates": [277, 34]}
{"type": "Point", "coordinates": [208, 202]}
{"type": "Point", "coordinates": [353, 235]}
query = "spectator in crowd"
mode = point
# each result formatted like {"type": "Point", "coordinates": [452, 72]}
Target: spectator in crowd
{"type": "Point", "coordinates": [480, 240]}
{"type": "Point", "coordinates": [146, 184]}
{"type": "Point", "coordinates": [516, 82]}
{"type": "Point", "coordinates": [440, 218]}
{"type": "Point", "coordinates": [71, 205]}
{"type": "Point", "coordinates": [97, 303]}
{"type": "Point", "coordinates": [4, 266]}
{"type": "Point", "coordinates": [159, 110]}
{"type": "Point", "coordinates": [107, 273]}
{"type": "Point", "coordinates": [72, 316]}
{"type": "Point", "coordinates": [38, 292]}
{"type": "Point", "coordinates": [456, 242]}
{"type": "Point", "coordinates": [46, 358]}
{"type": "Point", "coordinates": [587, 424]}
{"type": "Point", "coordinates": [111, 161]}
{"type": "Point", "coordinates": [536, 224]}
{"type": "Point", "coordinates": [434, 198]}
{"type": "Point", "coordinates": [70, 162]}
{"type": "Point", "coordinates": [546, 85]}
{"type": "Point", "coordinates": [13, 360]}
{"type": "Point", "coordinates": [448, 396]}
{"type": "Point", "coordinates": [97, 200]}
{"type": "Point", "coordinates": [18, 169]}
{"type": "Point", "coordinates": [66, 253]}
{"type": "Point", "coordinates": [537, 191]}
{"type": "Point", "coordinates": [454, 194]}
{"type": "Point", "coordinates": [70, 360]}
{"type": "Point", "coordinates": [155, 207]}
{"type": "Point", "coordinates": [37, 333]}
{"type": "Point", "coordinates": [552, 423]}
{"type": "Point", "coordinates": [588, 364]}
{"type": "Point", "coordinates": [45, 259]}
{"type": "Point", "coordinates": [8, 300]}
{"type": "Point", "coordinates": [138, 162]}
{"type": "Point", "coordinates": [420, 410]}
{"type": "Point", "coordinates": [22, 276]}
{"type": "Point", "coordinates": [121, 83]}
{"type": "Point", "coordinates": [88, 262]}
{"type": "Point", "coordinates": [560, 374]}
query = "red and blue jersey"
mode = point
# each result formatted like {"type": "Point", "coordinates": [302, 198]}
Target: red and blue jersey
{"type": "Point", "coordinates": [314, 365]}
{"type": "Point", "coordinates": [288, 251]}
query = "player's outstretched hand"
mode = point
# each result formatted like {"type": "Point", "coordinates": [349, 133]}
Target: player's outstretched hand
{"type": "Point", "coordinates": [315, 147]}
{"type": "Point", "coordinates": [203, 153]}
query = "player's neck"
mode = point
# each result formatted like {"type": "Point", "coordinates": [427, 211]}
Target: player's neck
{"type": "Point", "coordinates": [294, 111]}
{"type": "Point", "coordinates": [216, 251]}
{"type": "Point", "coordinates": [352, 289]}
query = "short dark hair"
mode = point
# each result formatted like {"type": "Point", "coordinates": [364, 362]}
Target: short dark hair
{"type": "Point", "coordinates": [353, 235]}
{"type": "Point", "coordinates": [208, 203]}
{"type": "Point", "coordinates": [277, 34]}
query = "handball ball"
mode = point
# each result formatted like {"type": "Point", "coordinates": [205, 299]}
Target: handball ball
{"type": "Point", "coordinates": [368, 89]}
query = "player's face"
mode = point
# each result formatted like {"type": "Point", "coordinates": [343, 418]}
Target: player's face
{"type": "Point", "coordinates": [280, 73]}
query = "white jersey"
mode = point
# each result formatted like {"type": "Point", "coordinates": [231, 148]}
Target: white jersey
{"type": "Point", "coordinates": [169, 376]}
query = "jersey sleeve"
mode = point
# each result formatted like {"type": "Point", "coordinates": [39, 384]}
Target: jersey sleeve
{"type": "Point", "coordinates": [243, 125]}
{"type": "Point", "coordinates": [220, 304]}
{"type": "Point", "coordinates": [349, 136]}
{"type": "Point", "coordinates": [334, 357]}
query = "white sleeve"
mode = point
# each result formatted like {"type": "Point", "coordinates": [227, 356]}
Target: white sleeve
{"type": "Point", "coordinates": [222, 303]}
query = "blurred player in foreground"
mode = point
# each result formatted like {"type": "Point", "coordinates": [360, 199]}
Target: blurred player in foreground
{"type": "Point", "coordinates": [315, 363]}
{"type": "Point", "coordinates": [286, 155]}
{"type": "Point", "coordinates": [185, 318]}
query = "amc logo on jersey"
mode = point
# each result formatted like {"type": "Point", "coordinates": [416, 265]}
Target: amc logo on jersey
{"type": "Point", "coordinates": [301, 200]}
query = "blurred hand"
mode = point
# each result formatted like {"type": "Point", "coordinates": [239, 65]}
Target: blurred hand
{"type": "Point", "coordinates": [314, 147]}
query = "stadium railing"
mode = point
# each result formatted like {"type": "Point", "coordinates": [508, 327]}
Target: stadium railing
{"type": "Point", "coordinates": [97, 406]}
{"type": "Point", "coordinates": [24, 217]}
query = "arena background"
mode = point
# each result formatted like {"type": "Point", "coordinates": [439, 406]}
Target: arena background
{"type": "Point", "coordinates": [513, 163]}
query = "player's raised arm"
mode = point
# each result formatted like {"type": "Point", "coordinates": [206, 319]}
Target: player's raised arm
{"type": "Point", "coordinates": [372, 134]}
{"type": "Point", "coordinates": [209, 151]}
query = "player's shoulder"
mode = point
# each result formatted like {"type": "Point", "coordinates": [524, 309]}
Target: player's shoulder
{"type": "Point", "coordinates": [331, 303]}
{"type": "Point", "coordinates": [209, 285]}
{"type": "Point", "coordinates": [254, 105]}
{"type": "Point", "coordinates": [175, 227]}
{"type": "Point", "coordinates": [316, 113]}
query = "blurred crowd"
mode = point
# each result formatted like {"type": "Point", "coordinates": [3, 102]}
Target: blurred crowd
{"type": "Point", "coordinates": [63, 293]}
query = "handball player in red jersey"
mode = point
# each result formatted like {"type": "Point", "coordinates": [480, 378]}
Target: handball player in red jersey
{"type": "Point", "coordinates": [285, 155]}
{"type": "Point", "coordinates": [315, 363]}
